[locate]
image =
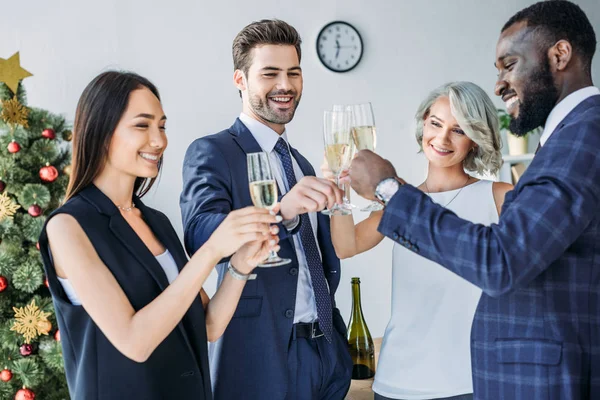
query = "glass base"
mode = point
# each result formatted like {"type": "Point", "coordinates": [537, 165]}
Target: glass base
{"type": "Point", "coordinates": [337, 210]}
{"type": "Point", "coordinates": [348, 206]}
{"type": "Point", "coordinates": [372, 206]}
{"type": "Point", "coordinates": [274, 262]}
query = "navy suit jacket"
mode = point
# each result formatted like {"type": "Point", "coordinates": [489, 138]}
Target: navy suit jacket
{"type": "Point", "coordinates": [536, 333]}
{"type": "Point", "coordinates": [95, 369]}
{"type": "Point", "coordinates": [252, 354]}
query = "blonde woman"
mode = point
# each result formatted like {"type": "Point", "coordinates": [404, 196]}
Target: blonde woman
{"type": "Point", "coordinates": [426, 347]}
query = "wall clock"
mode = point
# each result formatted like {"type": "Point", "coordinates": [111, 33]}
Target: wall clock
{"type": "Point", "coordinates": [339, 46]}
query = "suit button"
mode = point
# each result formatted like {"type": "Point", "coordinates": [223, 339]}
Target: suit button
{"type": "Point", "coordinates": [289, 313]}
{"type": "Point", "coordinates": [395, 236]}
{"type": "Point", "coordinates": [293, 271]}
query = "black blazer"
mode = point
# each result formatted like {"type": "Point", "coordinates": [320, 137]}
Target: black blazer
{"type": "Point", "coordinates": [95, 369]}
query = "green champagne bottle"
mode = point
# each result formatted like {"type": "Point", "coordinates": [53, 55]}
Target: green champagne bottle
{"type": "Point", "coordinates": [360, 341]}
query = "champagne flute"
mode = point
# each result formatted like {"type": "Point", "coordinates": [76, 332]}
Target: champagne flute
{"type": "Point", "coordinates": [365, 137]}
{"type": "Point", "coordinates": [263, 192]}
{"type": "Point", "coordinates": [346, 186]}
{"type": "Point", "coordinates": [337, 140]}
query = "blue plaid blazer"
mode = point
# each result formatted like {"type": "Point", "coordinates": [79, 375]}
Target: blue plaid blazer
{"type": "Point", "coordinates": [536, 333]}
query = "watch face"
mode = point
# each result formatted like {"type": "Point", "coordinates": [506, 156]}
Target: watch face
{"type": "Point", "coordinates": [339, 46]}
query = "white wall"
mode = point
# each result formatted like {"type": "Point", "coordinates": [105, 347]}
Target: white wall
{"type": "Point", "coordinates": [184, 47]}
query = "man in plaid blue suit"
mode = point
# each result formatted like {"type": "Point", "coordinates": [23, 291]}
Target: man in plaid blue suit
{"type": "Point", "coordinates": [536, 333]}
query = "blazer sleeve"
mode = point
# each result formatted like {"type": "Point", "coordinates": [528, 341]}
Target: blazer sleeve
{"type": "Point", "coordinates": [537, 224]}
{"type": "Point", "coordinates": [205, 199]}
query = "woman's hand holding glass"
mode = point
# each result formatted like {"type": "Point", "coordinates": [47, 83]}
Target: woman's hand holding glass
{"type": "Point", "coordinates": [249, 226]}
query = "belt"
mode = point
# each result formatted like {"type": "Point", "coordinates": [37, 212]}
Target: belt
{"type": "Point", "coordinates": [309, 330]}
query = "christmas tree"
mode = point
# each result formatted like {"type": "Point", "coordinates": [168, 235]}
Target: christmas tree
{"type": "Point", "coordinates": [34, 169]}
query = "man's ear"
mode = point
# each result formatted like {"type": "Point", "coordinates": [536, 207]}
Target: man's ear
{"type": "Point", "coordinates": [560, 55]}
{"type": "Point", "coordinates": [239, 80]}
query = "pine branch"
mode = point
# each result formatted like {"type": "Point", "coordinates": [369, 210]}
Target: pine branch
{"type": "Point", "coordinates": [28, 371]}
{"type": "Point", "coordinates": [51, 353]}
{"type": "Point", "coordinates": [28, 277]}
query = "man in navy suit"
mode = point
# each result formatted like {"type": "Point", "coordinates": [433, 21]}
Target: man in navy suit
{"type": "Point", "coordinates": [286, 339]}
{"type": "Point", "coordinates": [536, 333]}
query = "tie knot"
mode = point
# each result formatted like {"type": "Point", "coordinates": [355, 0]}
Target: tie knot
{"type": "Point", "coordinates": [281, 147]}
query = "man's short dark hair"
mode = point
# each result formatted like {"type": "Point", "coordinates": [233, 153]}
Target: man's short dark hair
{"type": "Point", "coordinates": [556, 20]}
{"type": "Point", "coordinates": [266, 31]}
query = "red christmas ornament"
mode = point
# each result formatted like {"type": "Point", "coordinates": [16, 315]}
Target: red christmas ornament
{"type": "Point", "coordinates": [57, 335]}
{"type": "Point", "coordinates": [25, 394]}
{"type": "Point", "coordinates": [26, 350]}
{"type": "Point", "coordinates": [5, 375]}
{"type": "Point", "coordinates": [46, 283]}
{"type": "Point", "coordinates": [49, 133]}
{"type": "Point", "coordinates": [48, 173]}
{"type": "Point", "coordinates": [2, 186]}
{"type": "Point", "coordinates": [3, 283]}
{"type": "Point", "coordinates": [14, 147]}
{"type": "Point", "coordinates": [35, 210]}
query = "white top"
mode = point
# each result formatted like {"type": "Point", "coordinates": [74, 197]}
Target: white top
{"type": "Point", "coordinates": [305, 308]}
{"type": "Point", "coordinates": [425, 352]}
{"type": "Point", "coordinates": [562, 109]}
{"type": "Point", "coordinates": [165, 260]}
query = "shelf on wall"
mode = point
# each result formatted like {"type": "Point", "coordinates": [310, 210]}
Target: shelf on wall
{"type": "Point", "coordinates": [517, 159]}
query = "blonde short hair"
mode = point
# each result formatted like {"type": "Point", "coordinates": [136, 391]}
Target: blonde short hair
{"type": "Point", "coordinates": [478, 118]}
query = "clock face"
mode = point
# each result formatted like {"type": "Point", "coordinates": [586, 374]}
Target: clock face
{"type": "Point", "coordinates": [339, 46]}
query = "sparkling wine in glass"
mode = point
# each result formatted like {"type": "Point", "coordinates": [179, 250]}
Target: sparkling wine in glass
{"type": "Point", "coordinates": [346, 186]}
{"type": "Point", "coordinates": [338, 149]}
{"type": "Point", "coordinates": [263, 192]}
{"type": "Point", "coordinates": [365, 136]}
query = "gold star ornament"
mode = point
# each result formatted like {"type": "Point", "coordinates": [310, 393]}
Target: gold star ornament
{"type": "Point", "coordinates": [31, 322]}
{"type": "Point", "coordinates": [11, 72]}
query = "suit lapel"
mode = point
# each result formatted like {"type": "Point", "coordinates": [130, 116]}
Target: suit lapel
{"type": "Point", "coordinates": [303, 163]}
{"type": "Point", "coordinates": [126, 235]}
{"type": "Point", "coordinates": [164, 233]}
{"type": "Point", "coordinates": [244, 138]}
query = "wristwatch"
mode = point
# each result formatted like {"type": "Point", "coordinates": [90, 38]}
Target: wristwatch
{"type": "Point", "coordinates": [238, 275]}
{"type": "Point", "coordinates": [386, 189]}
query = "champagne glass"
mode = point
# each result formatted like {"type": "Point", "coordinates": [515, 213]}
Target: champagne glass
{"type": "Point", "coordinates": [263, 191]}
{"type": "Point", "coordinates": [365, 137]}
{"type": "Point", "coordinates": [338, 142]}
{"type": "Point", "coordinates": [346, 186]}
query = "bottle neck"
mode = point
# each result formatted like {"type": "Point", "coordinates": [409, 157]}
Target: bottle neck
{"type": "Point", "coordinates": [356, 307]}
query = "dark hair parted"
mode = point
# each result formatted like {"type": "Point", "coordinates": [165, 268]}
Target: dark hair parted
{"type": "Point", "coordinates": [266, 31]}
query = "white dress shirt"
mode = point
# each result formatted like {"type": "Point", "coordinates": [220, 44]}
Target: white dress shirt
{"type": "Point", "coordinates": [563, 108]}
{"type": "Point", "coordinates": [305, 308]}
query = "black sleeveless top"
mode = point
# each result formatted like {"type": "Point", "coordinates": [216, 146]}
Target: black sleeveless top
{"type": "Point", "coordinates": [95, 369]}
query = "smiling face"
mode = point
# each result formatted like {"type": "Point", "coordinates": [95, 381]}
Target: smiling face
{"type": "Point", "coordinates": [525, 81]}
{"type": "Point", "coordinates": [445, 144]}
{"type": "Point", "coordinates": [139, 139]}
{"type": "Point", "coordinates": [272, 88]}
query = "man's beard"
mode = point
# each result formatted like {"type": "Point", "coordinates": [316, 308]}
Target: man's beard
{"type": "Point", "coordinates": [537, 101]}
{"type": "Point", "coordinates": [261, 107]}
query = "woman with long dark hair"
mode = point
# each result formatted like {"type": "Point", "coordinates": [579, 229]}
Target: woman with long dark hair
{"type": "Point", "coordinates": [133, 316]}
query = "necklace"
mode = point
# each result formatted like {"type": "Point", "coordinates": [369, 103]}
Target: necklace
{"type": "Point", "coordinates": [126, 209]}
{"type": "Point", "coordinates": [455, 196]}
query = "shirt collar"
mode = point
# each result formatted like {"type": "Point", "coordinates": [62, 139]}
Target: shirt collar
{"type": "Point", "coordinates": [564, 107]}
{"type": "Point", "coordinates": [266, 137]}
